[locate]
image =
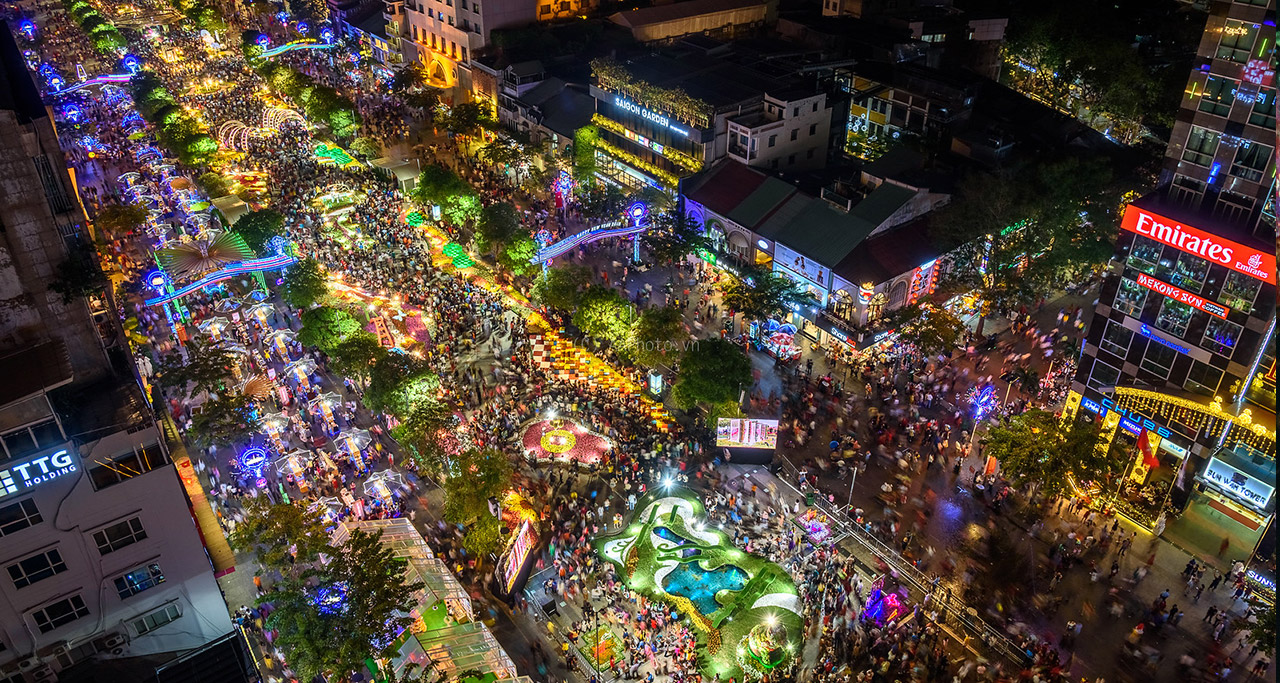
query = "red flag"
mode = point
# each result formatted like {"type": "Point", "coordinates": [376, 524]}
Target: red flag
{"type": "Point", "coordinates": [1148, 456]}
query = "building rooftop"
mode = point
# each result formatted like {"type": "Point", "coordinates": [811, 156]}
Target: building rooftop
{"type": "Point", "coordinates": [724, 186]}
{"type": "Point", "coordinates": [816, 229]}
{"type": "Point", "coordinates": [566, 110]}
{"type": "Point", "coordinates": [661, 14]}
{"type": "Point", "coordinates": [374, 24]}
{"type": "Point", "coordinates": [889, 254]}
{"type": "Point", "coordinates": [882, 203]}
{"type": "Point", "coordinates": [18, 92]}
{"type": "Point", "coordinates": [34, 370]}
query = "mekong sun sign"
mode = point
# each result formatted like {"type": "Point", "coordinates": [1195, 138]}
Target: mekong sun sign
{"type": "Point", "coordinates": [1236, 256]}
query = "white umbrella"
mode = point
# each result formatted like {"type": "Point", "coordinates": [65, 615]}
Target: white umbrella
{"type": "Point", "coordinates": [382, 484]}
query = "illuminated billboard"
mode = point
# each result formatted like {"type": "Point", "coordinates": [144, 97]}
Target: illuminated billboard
{"type": "Point", "coordinates": [1252, 262]}
{"type": "Point", "coordinates": [746, 433]}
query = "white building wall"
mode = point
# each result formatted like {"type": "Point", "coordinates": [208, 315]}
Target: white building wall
{"type": "Point", "coordinates": [71, 512]}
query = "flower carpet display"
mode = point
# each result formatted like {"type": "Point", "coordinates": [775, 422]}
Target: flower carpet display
{"type": "Point", "coordinates": [743, 608]}
{"type": "Point", "coordinates": [564, 440]}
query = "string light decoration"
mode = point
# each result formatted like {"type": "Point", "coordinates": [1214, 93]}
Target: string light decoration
{"type": "Point", "coordinates": [1208, 419]}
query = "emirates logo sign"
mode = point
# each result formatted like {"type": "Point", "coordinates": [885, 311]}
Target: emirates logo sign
{"type": "Point", "coordinates": [1208, 246]}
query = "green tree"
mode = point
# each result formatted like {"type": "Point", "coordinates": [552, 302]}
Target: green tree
{"type": "Point", "coordinates": [499, 224]}
{"type": "Point", "coordinates": [366, 147]}
{"type": "Point", "coordinates": [603, 313]}
{"type": "Point", "coordinates": [711, 371]}
{"type": "Point", "coordinates": [337, 616]}
{"type": "Point", "coordinates": [931, 329]}
{"type": "Point", "coordinates": [759, 294]}
{"type": "Point", "coordinates": [79, 274]}
{"type": "Point", "coordinates": [502, 153]}
{"type": "Point", "coordinates": [118, 219]}
{"type": "Point", "coordinates": [474, 477]}
{"type": "Point", "coordinates": [214, 185]}
{"type": "Point", "coordinates": [469, 118]}
{"type": "Point", "coordinates": [601, 201]}
{"type": "Point", "coordinates": [397, 382]}
{"type": "Point", "coordinates": [1262, 630]}
{"type": "Point", "coordinates": [224, 420]}
{"type": "Point", "coordinates": [517, 255]}
{"type": "Point", "coordinates": [284, 537]}
{"type": "Point", "coordinates": [257, 227]}
{"type": "Point", "coordinates": [562, 287]}
{"type": "Point", "coordinates": [355, 356]}
{"type": "Point", "coordinates": [673, 236]}
{"type": "Point", "coordinates": [659, 337]}
{"type": "Point", "coordinates": [584, 153]}
{"type": "Point", "coordinates": [408, 77]}
{"type": "Point", "coordinates": [426, 430]}
{"type": "Point", "coordinates": [305, 284]}
{"type": "Point", "coordinates": [1037, 448]}
{"type": "Point", "coordinates": [206, 368]}
{"type": "Point", "coordinates": [439, 186]}
{"type": "Point", "coordinates": [326, 327]}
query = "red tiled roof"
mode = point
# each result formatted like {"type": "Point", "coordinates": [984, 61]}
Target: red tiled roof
{"type": "Point", "coordinates": [725, 187]}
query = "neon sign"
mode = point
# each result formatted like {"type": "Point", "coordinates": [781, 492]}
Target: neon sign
{"type": "Point", "coordinates": [516, 557]}
{"type": "Point", "coordinates": [1146, 332]}
{"type": "Point", "coordinates": [1092, 406]}
{"type": "Point", "coordinates": [1248, 489]}
{"type": "Point", "coordinates": [1182, 295]}
{"type": "Point", "coordinates": [36, 471]}
{"type": "Point", "coordinates": [1137, 419]}
{"type": "Point", "coordinates": [651, 116]}
{"type": "Point", "coordinates": [1237, 257]}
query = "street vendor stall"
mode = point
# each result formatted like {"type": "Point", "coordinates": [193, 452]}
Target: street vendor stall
{"type": "Point", "coordinates": [353, 442]}
{"type": "Point", "coordinates": [300, 370]}
{"type": "Point", "coordinates": [279, 342]}
{"type": "Point", "coordinates": [326, 406]}
{"type": "Point", "coordinates": [275, 424]}
{"type": "Point", "coordinates": [383, 485]}
{"type": "Point", "coordinates": [816, 526]}
{"type": "Point", "coordinates": [295, 465]}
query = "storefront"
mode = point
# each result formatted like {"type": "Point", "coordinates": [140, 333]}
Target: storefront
{"type": "Point", "coordinates": [1233, 504]}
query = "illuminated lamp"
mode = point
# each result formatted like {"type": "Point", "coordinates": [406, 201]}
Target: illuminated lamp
{"type": "Point", "coordinates": [762, 244]}
{"type": "Point", "coordinates": [865, 293]}
{"type": "Point", "coordinates": [326, 34]}
{"type": "Point", "coordinates": [637, 212]}
{"type": "Point", "coordinates": [303, 27]}
{"type": "Point", "coordinates": [131, 64]}
{"type": "Point", "coordinates": [28, 29]}
{"type": "Point", "coordinates": [262, 40]}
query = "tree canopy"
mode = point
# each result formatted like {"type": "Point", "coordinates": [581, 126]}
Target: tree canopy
{"type": "Point", "coordinates": [398, 382]}
{"type": "Point", "coordinates": [305, 284]}
{"type": "Point", "coordinates": [673, 236]}
{"type": "Point", "coordinates": [601, 201]}
{"type": "Point", "coordinates": [79, 274]}
{"type": "Point", "coordinates": [439, 186]}
{"type": "Point", "coordinates": [658, 337]}
{"type": "Point", "coordinates": [257, 227]}
{"type": "Point", "coordinates": [427, 431]}
{"type": "Point", "coordinates": [284, 537]}
{"type": "Point", "coordinates": [205, 368]}
{"type": "Point", "coordinates": [499, 224]}
{"type": "Point", "coordinates": [118, 219]}
{"type": "Point", "coordinates": [931, 329]}
{"type": "Point", "coordinates": [326, 327]}
{"type": "Point", "coordinates": [473, 478]}
{"type": "Point", "coordinates": [711, 371]}
{"type": "Point", "coordinates": [759, 294]}
{"type": "Point", "coordinates": [603, 313]}
{"type": "Point", "coordinates": [562, 287]}
{"type": "Point", "coordinates": [1036, 447]}
{"type": "Point", "coordinates": [354, 356]}
{"type": "Point", "coordinates": [224, 420]}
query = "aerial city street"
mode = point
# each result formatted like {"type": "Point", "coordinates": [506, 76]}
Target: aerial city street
{"type": "Point", "coordinates": [592, 341]}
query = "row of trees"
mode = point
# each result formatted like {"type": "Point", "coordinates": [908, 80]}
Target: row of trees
{"type": "Point", "coordinates": [321, 103]}
{"type": "Point", "coordinates": [180, 131]}
{"type": "Point", "coordinates": [106, 38]}
{"type": "Point", "coordinates": [202, 14]}
{"type": "Point", "coordinates": [1018, 234]}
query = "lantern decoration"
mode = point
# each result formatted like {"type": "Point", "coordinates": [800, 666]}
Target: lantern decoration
{"type": "Point", "coordinates": [865, 292]}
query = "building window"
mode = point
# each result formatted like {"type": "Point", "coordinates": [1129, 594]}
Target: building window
{"type": "Point", "coordinates": [1220, 336]}
{"type": "Point", "coordinates": [1186, 191]}
{"type": "Point", "coordinates": [1174, 317]}
{"type": "Point", "coordinates": [1130, 298]}
{"type": "Point", "coordinates": [879, 106]}
{"type": "Point", "coordinates": [109, 472]}
{"type": "Point", "coordinates": [1264, 110]}
{"type": "Point", "coordinates": [54, 193]}
{"type": "Point", "coordinates": [1237, 40]}
{"type": "Point", "coordinates": [545, 9]}
{"type": "Point", "coordinates": [1202, 143]}
{"type": "Point", "coordinates": [139, 580]}
{"type": "Point", "coordinates": [813, 129]}
{"type": "Point", "coordinates": [20, 515]}
{"type": "Point", "coordinates": [1158, 360]}
{"type": "Point", "coordinates": [36, 568]}
{"type": "Point", "coordinates": [795, 134]}
{"type": "Point", "coordinates": [1219, 95]}
{"type": "Point", "coordinates": [773, 139]}
{"type": "Point", "coordinates": [60, 613]}
{"type": "Point", "coordinates": [809, 154]}
{"type": "Point", "coordinates": [1233, 206]}
{"type": "Point", "coordinates": [464, 54]}
{"type": "Point", "coordinates": [1251, 160]}
{"type": "Point", "coordinates": [1190, 272]}
{"type": "Point", "coordinates": [815, 107]}
{"type": "Point", "coordinates": [120, 535]}
{"type": "Point", "coordinates": [1203, 379]}
{"type": "Point", "coordinates": [1116, 339]}
{"type": "Point", "coordinates": [156, 619]}
{"type": "Point", "coordinates": [791, 159]}
{"type": "Point", "coordinates": [1239, 291]}
{"type": "Point", "coordinates": [1102, 375]}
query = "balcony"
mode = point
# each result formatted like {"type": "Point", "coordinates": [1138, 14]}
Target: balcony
{"type": "Point", "coordinates": [741, 153]}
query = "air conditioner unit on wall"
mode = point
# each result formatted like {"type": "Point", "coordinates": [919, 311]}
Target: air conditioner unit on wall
{"type": "Point", "coordinates": [115, 641]}
{"type": "Point", "coordinates": [29, 664]}
{"type": "Point", "coordinates": [44, 674]}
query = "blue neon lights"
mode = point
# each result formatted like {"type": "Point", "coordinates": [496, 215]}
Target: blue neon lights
{"type": "Point", "coordinates": [599, 232]}
{"type": "Point", "coordinates": [270, 263]}
{"type": "Point", "coordinates": [295, 45]}
{"type": "Point", "coordinates": [1146, 332]}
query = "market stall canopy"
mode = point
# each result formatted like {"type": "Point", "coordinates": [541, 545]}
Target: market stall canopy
{"type": "Point", "coordinates": [330, 399]}
{"type": "Point", "coordinates": [383, 484]}
{"type": "Point", "coordinates": [276, 421]}
{"type": "Point", "coordinates": [359, 438]}
{"type": "Point", "coordinates": [214, 325]}
{"type": "Point", "coordinates": [305, 366]}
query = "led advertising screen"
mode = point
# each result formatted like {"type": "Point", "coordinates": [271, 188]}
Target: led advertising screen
{"type": "Point", "coordinates": [745, 433]}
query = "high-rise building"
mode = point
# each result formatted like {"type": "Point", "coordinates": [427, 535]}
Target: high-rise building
{"type": "Point", "coordinates": [103, 566]}
{"type": "Point", "coordinates": [1179, 363]}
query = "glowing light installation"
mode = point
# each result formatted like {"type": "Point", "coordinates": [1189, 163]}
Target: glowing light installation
{"type": "Point", "coordinates": [984, 401]}
{"type": "Point", "coordinates": [109, 79]}
{"type": "Point", "coordinates": [610, 229]}
{"type": "Point", "coordinates": [282, 258]}
{"type": "Point", "coordinates": [307, 44]}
